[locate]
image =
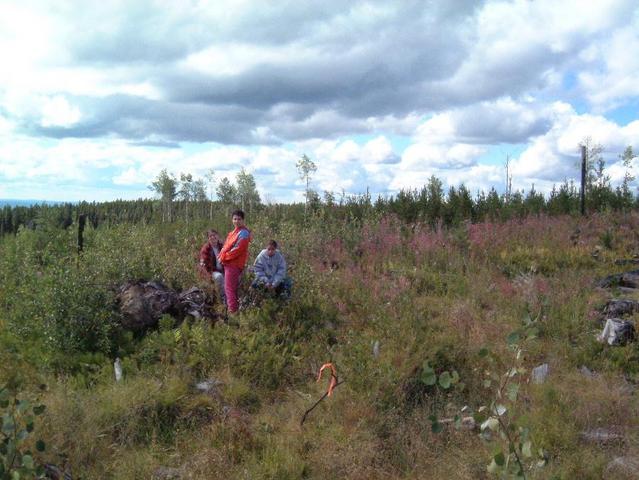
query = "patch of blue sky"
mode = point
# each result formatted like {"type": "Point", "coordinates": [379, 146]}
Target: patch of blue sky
{"type": "Point", "coordinates": [624, 114]}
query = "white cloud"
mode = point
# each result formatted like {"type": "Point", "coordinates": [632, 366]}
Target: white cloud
{"type": "Point", "coordinates": [130, 176]}
{"type": "Point", "coordinates": [615, 65]}
{"type": "Point", "coordinates": [554, 156]}
{"type": "Point", "coordinates": [58, 112]}
{"type": "Point", "coordinates": [458, 78]}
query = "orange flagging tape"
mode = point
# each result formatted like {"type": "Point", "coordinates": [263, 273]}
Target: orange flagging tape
{"type": "Point", "coordinates": [333, 381]}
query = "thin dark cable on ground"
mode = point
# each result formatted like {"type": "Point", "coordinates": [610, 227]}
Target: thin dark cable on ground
{"type": "Point", "coordinates": [307, 412]}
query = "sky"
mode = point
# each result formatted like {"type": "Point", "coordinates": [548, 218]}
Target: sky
{"type": "Point", "coordinates": [96, 98]}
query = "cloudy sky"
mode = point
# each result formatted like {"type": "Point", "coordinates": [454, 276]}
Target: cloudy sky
{"type": "Point", "coordinates": [96, 97]}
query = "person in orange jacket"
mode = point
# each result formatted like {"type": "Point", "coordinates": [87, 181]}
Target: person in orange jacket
{"type": "Point", "coordinates": [233, 256]}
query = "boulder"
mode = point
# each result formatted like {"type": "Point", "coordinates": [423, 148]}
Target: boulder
{"type": "Point", "coordinates": [628, 279]}
{"type": "Point", "coordinates": [627, 261]}
{"type": "Point", "coordinates": [619, 307]}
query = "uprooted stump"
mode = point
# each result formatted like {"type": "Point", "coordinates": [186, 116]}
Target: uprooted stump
{"type": "Point", "coordinates": [142, 304]}
{"type": "Point", "coordinates": [197, 303]}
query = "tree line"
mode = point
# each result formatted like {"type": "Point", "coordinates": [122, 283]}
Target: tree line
{"type": "Point", "coordinates": [185, 198]}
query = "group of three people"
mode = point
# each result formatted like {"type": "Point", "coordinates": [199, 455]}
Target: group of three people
{"type": "Point", "coordinates": [224, 263]}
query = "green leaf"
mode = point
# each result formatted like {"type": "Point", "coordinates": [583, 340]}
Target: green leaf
{"type": "Point", "coordinates": [479, 417]}
{"type": "Point", "coordinates": [39, 409]}
{"type": "Point", "coordinates": [444, 380]}
{"type": "Point", "coordinates": [526, 449]}
{"type": "Point", "coordinates": [436, 427]}
{"type": "Point", "coordinates": [455, 378]}
{"type": "Point", "coordinates": [15, 475]}
{"type": "Point", "coordinates": [27, 462]}
{"type": "Point", "coordinates": [8, 424]}
{"type": "Point", "coordinates": [428, 376]}
{"type": "Point", "coordinates": [499, 458]}
{"type": "Point", "coordinates": [40, 446]}
{"type": "Point", "coordinates": [483, 352]}
{"type": "Point", "coordinates": [513, 391]}
{"type": "Point", "coordinates": [528, 319]}
{"type": "Point", "coordinates": [23, 406]}
{"type": "Point", "coordinates": [513, 338]}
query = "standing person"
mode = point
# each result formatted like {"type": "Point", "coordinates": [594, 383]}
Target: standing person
{"type": "Point", "coordinates": [233, 256]}
{"type": "Point", "coordinates": [209, 263]}
{"type": "Point", "coordinates": [270, 271]}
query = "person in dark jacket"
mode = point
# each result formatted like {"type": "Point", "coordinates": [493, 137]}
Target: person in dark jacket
{"type": "Point", "coordinates": [210, 266]}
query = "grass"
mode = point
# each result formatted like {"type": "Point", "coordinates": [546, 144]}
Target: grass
{"type": "Point", "coordinates": [421, 295]}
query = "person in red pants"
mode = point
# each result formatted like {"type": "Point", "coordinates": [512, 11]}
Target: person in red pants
{"type": "Point", "coordinates": [233, 256]}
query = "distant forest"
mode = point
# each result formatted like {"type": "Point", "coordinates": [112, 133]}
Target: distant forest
{"type": "Point", "coordinates": [430, 204]}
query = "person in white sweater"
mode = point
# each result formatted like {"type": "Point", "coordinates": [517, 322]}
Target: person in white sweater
{"type": "Point", "coordinates": [270, 271]}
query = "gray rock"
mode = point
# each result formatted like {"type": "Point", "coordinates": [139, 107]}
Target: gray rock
{"type": "Point", "coordinates": [540, 373]}
{"type": "Point", "coordinates": [167, 473]}
{"type": "Point", "coordinates": [586, 372]}
{"type": "Point", "coordinates": [209, 386]}
{"type": "Point", "coordinates": [617, 332]}
{"type": "Point", "coordinates": [619, 307]}
{"type": "Point", "coordinates": [622, 468]}
{"type": "Point", "coordinates": [466, 423]}
{"type": "Point", "coordinates": [627, 261]}
{"type": "Point", "coordinates": [601, 436]}
{"type": "Point", "coordinates": [630, 279]}
{"type": "Point", "coordinates": [627, 279]}
{"type": "Point", "coordinates": [376, 349]}
{"type": "Point", "coordinates": [53, 472]}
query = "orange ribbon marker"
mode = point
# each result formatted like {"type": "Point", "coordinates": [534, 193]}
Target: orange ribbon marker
{"type": "Point", "coordinates": [333, 382]}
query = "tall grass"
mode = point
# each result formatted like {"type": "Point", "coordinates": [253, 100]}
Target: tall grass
{"type": "Point", "coordinates": [421, 293]}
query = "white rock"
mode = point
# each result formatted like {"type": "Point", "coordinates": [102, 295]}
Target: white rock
{"type": "Point", "coordinates": [117, 368]}
{"type": "Point", "coordinates": [540, 373]}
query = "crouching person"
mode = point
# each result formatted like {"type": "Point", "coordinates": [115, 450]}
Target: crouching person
{"type": "Point", "coordinates": [270, 272]}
